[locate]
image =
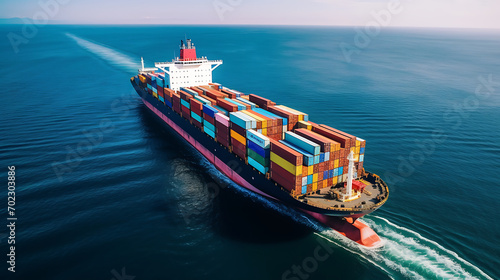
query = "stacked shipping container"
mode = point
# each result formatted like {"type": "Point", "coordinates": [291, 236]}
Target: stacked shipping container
{"type": "Point", "coordinates": [299, 155]}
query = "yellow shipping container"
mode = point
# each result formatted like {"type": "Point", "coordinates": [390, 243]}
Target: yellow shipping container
{"type": "Point", "coordinates": [155, 94]}
{"type": "Point", "coordinates": [358, 143]}
{"type": "Point", "coordinates": [142, 78]}
{"type": "Point", "coordinates": [336, 146]}
{"type": "Point", "coordinates": [295, 170]}
{"type": "Point", "coordinates": [335, 179]}
{"type": "Point", "coordinates": [357, 150]}
{"type": "Point", "coordinates": [356, 157]}
{"type": "Point", "coordinates": [264, 131]}
{"type": "Point", "coordinates": [353, 149]}
{"type": "Point", "coordinates": [251, 114]}
{"type": "Point", "coordinates": [238, 137]}
{"type": "Point", "coordinates": [310, 170]}
{"type": "Point", "coordinates": [336, 163]}
{"type": "Point", "coordinates": [325, 183]}
{"type": "Point", "coordinates": [315, 177]}
{"type": "Point", "coordinates": [315, 186]}
{"type": "Point", "coordinates": [305, 125]}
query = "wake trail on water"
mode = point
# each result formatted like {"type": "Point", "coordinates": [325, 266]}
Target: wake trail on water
{"type": "Point", "coordinates": [405, 252]}
{"type": "Point", "coordinates": [111, 56]}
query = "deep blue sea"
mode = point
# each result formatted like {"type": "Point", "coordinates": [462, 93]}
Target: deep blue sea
{"type": "Point", "coordinates": [104, 191]}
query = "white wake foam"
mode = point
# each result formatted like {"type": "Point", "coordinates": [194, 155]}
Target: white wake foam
{"type": "Point", "coordinates": [417, 256]}
{"type": "Point", "coordinates": [405, 252]}
{"type": "Point", "coordinates": [113, 57]}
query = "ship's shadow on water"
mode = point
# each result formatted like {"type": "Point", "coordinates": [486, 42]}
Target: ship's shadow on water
{"type": "Point", "coordinates": [212, 201]}
{"type": "Point", "coordinates": [243, 219]}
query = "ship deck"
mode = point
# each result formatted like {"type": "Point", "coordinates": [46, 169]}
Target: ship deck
{"type": "Point", "coordinates": [375, 194]}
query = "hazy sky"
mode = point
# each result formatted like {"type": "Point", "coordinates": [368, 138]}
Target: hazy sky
{"type": "Point", "coordinates": [426, 13]}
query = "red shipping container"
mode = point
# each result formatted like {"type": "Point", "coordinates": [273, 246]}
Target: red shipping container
{"type": "Point", "coordinates": [160, 91]}
{"type": "Point", "coordinates": [185, 96]}
{"type": "Point", "coordinates": [291, 117]}
{"type": "Point", "coordinates": [325, 143]}
{"type": "Point", "coordinates": [320, 176]}
{"type": "Point", "coordinates": [329, 182]}
{"type": "Point", "coordinates": [196, 106]}
{"type": "Point", "coordinates": [168, 98]}
{"type": "Point", "coordinates": [304, 170]}
{"type": "Point", "coordinates": [223, 141]}
{"type": "Point", "coordinates": [221, 127]}
{"type": "Point", "coordinates": [315, 168]}
{"type": "Point", "coordinates": [196, 123]}
{"type": "Point", "coordinates": [351, 137]}
{"type": "Point", "coordinates": [289, 177]}
{"type": "Point", "coordinates": [344, 141]}
{"type": "Point", "coordinates": [241, 131]}
{"type": "Point", "coordinates": [237, 145]}
{"type": "Point", "coordinates": [168, 92]}
{"type": "Point", "coordinates": [209, 99]}
{"type": "Point", "coordinates": [240, 153]}
{"type": "Point", "coordinates": [321, 167]}
{"type": "Point", "coordinates": [261, 101]}
{"type": "Point", "coordinates": [214, 94]}
{"type": "Point", "coordinates": [247, 106]}
{"type": "Point", "coordinates": [209, 119]}
{"type": "Point", "coordinates": [286, 153]}
{"type": "Point", "coordinates": [228, 106]}
{"type": "Point", "coordinates": [186, 110]}
{"type": "Point", "coordinates": [176, 102]}
{"type": "Point", "coordinates": [229, 93]}
{"type": "Point", "coordinates": [199, 91]}
{"type": "Point", "coordinates": [285, 184]}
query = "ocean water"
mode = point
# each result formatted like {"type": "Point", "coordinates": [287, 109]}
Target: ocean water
{"type": "Point", "coordinates": [103, 191]}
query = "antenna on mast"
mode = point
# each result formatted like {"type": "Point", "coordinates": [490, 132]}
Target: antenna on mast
{"type": "Point", "coordinates": [142, 63]}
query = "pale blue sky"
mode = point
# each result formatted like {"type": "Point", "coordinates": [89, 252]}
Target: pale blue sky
{"type": "Point", "coordinates": [422, 13]}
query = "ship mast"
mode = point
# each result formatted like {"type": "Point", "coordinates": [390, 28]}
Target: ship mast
{"type": "Point", "coordinates": [350, 158]}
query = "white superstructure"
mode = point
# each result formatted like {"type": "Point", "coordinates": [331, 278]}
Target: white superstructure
{"type": "Point", "coordinates": [188, 70]}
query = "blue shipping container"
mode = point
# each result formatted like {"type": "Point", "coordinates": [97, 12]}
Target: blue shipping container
{"type": "Point", "coordinates": [303, 143]}
{"type": "Point", "coordinates": [209, 110]}
{"type": "Point", "coordinates": [308, 158]}
{"type": "Point", "coordinates": [208, 131]}
{"type": "Point", "coordinates": [185, 103]}
{"type": "Point", "coordinates": [257, 165]}
{"type": "Point", "coordinates": [240, 107]}
{"type": "Point", "coordinates": [196, 117]}
{"type": "Point", "coordinates": [270, 115]}
{"type": "Point", "coordinates": [168, 103]}
{"type": "Point", "coordinates": [208, 125]}
{"type": "Point", "coordinates": [222, 110]}
{"type": "Point", "coordinates": [265, 153]}
{"type": "Point", "coordinates": [259, 139]}
{"type": "Point", "coordinates": [253, 105]}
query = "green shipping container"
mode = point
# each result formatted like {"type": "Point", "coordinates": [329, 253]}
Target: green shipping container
{"type": "Point", "coordinates": [258, 158]}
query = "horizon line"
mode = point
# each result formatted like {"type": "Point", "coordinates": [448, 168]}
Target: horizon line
{"type": "Point", "coordinates": [58, 22]}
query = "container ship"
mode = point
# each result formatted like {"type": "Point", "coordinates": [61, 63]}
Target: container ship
{"type": "Point", "coordinates": [270, 149]}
